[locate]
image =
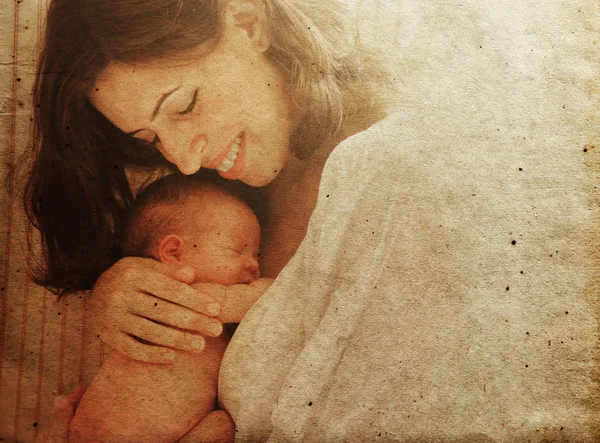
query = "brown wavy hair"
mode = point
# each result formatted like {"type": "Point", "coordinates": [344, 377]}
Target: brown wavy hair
{"type": "Point", "coordinates": [77, 192]}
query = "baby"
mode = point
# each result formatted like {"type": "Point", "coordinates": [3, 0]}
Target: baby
{"type": "Point", "coordinates": [193, 223]}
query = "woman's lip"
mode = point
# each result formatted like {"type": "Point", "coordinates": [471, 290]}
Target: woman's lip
{"type": "Point", "coordinates": [219, 158]}
{"type": "Point", "coordinates": [238, 165]}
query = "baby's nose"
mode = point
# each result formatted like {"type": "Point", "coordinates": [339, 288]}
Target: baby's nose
{"type": "Point", "coordinates": [251, 267]}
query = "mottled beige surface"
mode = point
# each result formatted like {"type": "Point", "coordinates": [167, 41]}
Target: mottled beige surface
{"type": "Point", "coordinates": [520, 80]}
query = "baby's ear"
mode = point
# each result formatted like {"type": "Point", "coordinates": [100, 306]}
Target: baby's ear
{"type": "Point", "coordinates": [170, 248]}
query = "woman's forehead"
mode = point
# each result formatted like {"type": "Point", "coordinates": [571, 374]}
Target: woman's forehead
{"type": "Point", "coordinates": [121, 75]}
{"type": "Point", "coordinates": [126, 94]}
{"type": "Point", "coordinates": [119, 80]}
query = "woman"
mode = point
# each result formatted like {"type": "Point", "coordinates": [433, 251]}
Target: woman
{"type": "Point", "coordinates": [84, 154]}
{"type": "Point", "coordinates": [368, 331]}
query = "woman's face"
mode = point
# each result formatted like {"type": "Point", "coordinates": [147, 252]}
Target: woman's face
{"type": "Point", "coordinates": [226, 110]}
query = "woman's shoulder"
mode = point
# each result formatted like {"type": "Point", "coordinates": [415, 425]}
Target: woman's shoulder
{"type": "Point", "coordinates": [380, 150]}
{"type": "Point", "coordinates": [380, 137]}
{"type": "Point", "coordinates": [379, 147]}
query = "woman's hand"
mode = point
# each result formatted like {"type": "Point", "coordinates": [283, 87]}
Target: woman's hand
{"type": "Point", "coordinates": [152, 301]}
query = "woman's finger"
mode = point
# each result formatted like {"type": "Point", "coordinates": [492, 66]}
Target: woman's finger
{"type": "Point", "coordinates": [175, 316]}
{"type": "Point", "coordinates": [184, 275]}
{"type": "Point", "coordinates": [138, 351]}
{"type": "Point", "coordinates": [165, 336]}
{"type": "Point", "coordinates": [179, 293]}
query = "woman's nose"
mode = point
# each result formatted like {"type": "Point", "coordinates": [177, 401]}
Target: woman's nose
{"type": "Point", "coordinates": [182, 149]}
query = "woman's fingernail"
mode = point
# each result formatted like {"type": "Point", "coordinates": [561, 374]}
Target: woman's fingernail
{"type": "Point", "coordinates": [187, 274]}
{"type": "Point", "coordinates": [214, 308]}
{"type": "Point", "coordinates": [197, 344]}
{"type": "Point", "coordinates": [215, 329]}
{"type": "Point", "coordinates": [169, 355]}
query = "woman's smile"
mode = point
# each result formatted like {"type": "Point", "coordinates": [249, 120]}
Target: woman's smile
{"type": "Point", "coordinates": [230, 162]}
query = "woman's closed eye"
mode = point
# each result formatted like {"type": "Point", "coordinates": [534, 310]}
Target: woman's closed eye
{"type": "Point", "coordinates": [241, 250]}
{"type": "Point", "coordinates": [191, 106]}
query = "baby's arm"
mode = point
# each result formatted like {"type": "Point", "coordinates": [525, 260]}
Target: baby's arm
{"type": "Point", "coordinates": [235, 300]}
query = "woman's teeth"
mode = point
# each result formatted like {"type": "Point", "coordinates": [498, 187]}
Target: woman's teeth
{"type": "Point", "coordinates": [229, 159]}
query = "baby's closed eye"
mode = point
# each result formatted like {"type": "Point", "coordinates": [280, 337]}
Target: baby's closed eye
{"type": "Point", "coordinates": [237, 249]}
{"type": "Point", "coordinates": [245, 248]}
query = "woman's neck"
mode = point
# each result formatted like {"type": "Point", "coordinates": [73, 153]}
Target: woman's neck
{"type": "Point", "coordinates": [316, 161]}
{"type": "Point", "coordinates": [292, 197]}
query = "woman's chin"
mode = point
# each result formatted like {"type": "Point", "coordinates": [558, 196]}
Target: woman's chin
{"type": "Point", "coordinates": [257, 181]}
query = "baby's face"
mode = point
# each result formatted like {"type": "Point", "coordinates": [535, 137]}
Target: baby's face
{"type": "Point", "coordinates": [222, 241]}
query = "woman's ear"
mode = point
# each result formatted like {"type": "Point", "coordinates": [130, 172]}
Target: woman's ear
{"type": "Point", "coordinates": [250, 17]}
{"type": "Point", "coordinates": [170, 248]}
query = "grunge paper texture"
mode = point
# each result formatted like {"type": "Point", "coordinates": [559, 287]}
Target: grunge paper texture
{"type": "Point", "coordinates": [507, 94]}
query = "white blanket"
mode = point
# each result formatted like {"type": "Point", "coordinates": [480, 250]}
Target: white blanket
{"type": "Point", "coordinates": [447, 287]}
{"type": "Point", "coordinates": [443, 291]}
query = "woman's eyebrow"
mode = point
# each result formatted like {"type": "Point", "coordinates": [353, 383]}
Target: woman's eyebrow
{"type": "Point", "coordinates": [161, 100]}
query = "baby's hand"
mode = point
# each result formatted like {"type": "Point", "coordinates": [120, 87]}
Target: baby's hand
{"type": "Point", "coordinates": [235, 300]}
{"type": "Point", "coordinates": [262, 284]}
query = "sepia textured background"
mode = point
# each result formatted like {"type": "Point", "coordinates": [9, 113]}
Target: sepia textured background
{"type": "Point", "coordinates": [538, 57]}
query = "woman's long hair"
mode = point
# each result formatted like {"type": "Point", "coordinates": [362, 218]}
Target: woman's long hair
{"type": "Point", "coordinates": [77, 192]}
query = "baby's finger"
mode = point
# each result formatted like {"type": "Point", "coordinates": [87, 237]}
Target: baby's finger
{"type": "Point", "coordinates": [181, 294]}
{"type": "Point", "coordinates": [57, 429]}
{"type": "Point", "coordinates": [164, 336]}
{"type": "Point", "coordinates": [62, 411]}
{"type": "Point", "coordinates": [176, 316]}
{"type": "Point", "coordinates": [76, 395]}
{"type": "Point", "coordinates": [138, 351]}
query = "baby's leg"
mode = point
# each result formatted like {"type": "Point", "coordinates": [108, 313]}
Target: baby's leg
{"type": "Point", "coordinates": [216, 427]}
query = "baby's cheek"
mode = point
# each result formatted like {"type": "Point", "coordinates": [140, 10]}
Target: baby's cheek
{"type": "Point", "coordinates": [224, 273]}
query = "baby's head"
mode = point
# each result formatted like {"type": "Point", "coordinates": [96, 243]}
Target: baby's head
{"type": "Point", "coordinates": [183, 220]}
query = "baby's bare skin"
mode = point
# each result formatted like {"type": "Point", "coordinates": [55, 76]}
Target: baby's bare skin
{"type": "Point", "coordinates": [130, 400]}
